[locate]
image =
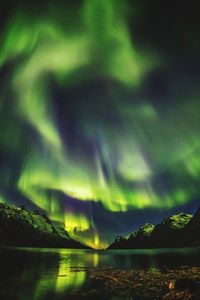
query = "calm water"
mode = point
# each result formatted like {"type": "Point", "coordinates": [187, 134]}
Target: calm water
{"type": "Point", "coordinates": [45, 274]}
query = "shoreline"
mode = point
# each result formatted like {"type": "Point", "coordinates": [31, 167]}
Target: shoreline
{"type": "Point", "coordinates": [142, 284]}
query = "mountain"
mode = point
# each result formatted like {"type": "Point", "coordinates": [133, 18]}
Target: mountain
{"type": "Point", "coordinates": [170, 232]}
{"type": "Point", "coordinates": [137, 239]}
{"type": "Point", "coordinates": [21, 227]}
{"type": "Point", "coordinates": [192, 230]}
{"type": "Point", "coordinates": [174, 231]}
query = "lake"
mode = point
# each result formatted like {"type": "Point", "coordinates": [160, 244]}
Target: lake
{"type": "Point", "coordinates": [45, 274]}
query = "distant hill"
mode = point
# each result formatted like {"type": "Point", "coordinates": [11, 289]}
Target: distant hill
{"type": "Point", "coordinates": [21, 227]}
{"type": "Point", "coordinates": [181, 230]}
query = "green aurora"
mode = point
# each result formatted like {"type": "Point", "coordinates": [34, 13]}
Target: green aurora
{"type": "Point", "coordinates": [141, 156]}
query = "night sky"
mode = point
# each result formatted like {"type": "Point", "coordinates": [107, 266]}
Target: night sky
{"type": "Point", "coordinates": [100, 112]}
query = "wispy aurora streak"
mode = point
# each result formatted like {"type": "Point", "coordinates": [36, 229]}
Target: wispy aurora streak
{"type": "Point", "coordinates": [133, 146]}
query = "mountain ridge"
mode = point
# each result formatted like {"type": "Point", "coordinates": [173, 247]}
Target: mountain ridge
{"type": "Point", "coordinates": [179, 230]}
{"type": "Point", "coordinates": [21, 227]}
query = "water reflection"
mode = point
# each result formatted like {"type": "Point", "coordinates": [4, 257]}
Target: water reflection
{"type": "Point", "coordinates": [66, 278]}
{"type": "Point", "coordinates": [41, 274]}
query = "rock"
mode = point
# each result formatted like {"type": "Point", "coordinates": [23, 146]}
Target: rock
{"type": "Point", "coordinates": [182, 288]}
{"type": "Point", "coordinates": [182, 284]}
{"type": "Point", "coordinates": [96, 283]}
{"type": "Point", "coordinates": [176, 283]}
{"type": "Point", "coordinates": [183, 295]}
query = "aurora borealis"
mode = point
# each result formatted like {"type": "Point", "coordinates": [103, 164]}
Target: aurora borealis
{"type": "Point", "coordinates": [99, 112]}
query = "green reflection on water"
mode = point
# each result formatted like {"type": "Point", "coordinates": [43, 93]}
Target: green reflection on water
{"type": "Point", "coordinates": [67, 278]}
{"type": "Point", "coordinates": [68, 274]}
{"type": "Point", "coordinates": [54, 274]}
{"type": "Point", "coordinates": [46, 273]}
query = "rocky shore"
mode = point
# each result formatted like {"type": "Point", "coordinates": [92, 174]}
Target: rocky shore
{"type": "Point", "coordinates": [180, 283]}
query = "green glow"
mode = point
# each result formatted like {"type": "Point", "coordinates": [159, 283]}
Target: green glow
{"type": "Point", "coordinates": [74, 221]}
{"type": "Point", "coordinates": [67, 279]}
{"type": "Point", "coordinates": [107, 28]}
{"type": "Point", "coordinates": [2, 199]}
